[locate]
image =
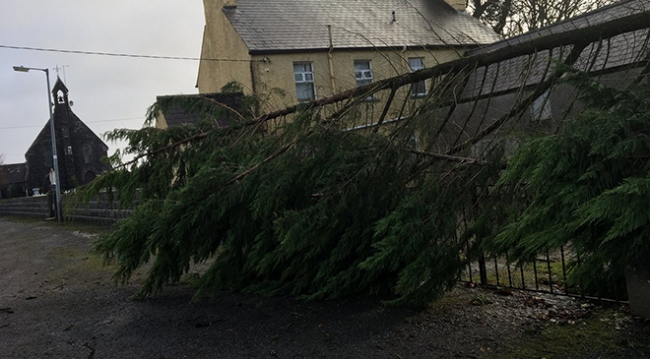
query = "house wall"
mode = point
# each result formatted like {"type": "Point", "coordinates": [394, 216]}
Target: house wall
{"type": "Point", "coordinates": [274, 80]}
{"type": "Point", "coordinates": [459, 5]}
{"type": "Point", "coordinates": [221, 41]}
{"type": "Point", "coordinates": [277, 72]}
{"type": "Point", "coordinates": [161, 122]}
{"type": "Point", "coordinates": [470, 118]}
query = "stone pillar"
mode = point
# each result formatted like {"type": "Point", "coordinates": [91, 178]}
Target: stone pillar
{"type": "Point", "coordinates": [51, 201]}
{"type": "Point", "coordinates": [637, 277]}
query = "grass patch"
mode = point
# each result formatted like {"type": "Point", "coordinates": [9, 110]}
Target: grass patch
{"type": "Point", "coordinates": [526, 276]}
{"type": "Point", "coordinates": [84, 227]}
{"type": "Point", "coordinates": [605, 334]}
{"type": "Point", "coordinates": [81, 260]}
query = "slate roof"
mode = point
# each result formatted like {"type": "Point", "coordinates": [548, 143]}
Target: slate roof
{"type": "Point", "coordinates": [621, 50]}
{"type": "Point", "coordinates": [176, 115]}
{"type": "Point", "coordinates": [291, 25]}
{"type": "Point", "coordinates": [13, 173]}
{"type": "Point", "coordinates": [604, 14]}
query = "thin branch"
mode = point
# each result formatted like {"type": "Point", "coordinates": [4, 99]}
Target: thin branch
{"type": "Point", "coordinates": [440, 156]}
{"type": "Point", "coordinates": [386, 108]}
{"type": "Point", "coordinates": [514, 48]}
{"type": "Point", "coordinates": [571, 59]}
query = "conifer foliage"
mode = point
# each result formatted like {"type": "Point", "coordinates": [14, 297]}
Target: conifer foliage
{"type": "Point", "coordinates": [303, 208]}
{"type": "Point", "coordinates": [307, 207]}
{"type": "Point", "coordinates": [587, 187]}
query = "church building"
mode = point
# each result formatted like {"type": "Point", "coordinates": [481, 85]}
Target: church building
{"type": "Point", "coordinates": [78, 148]}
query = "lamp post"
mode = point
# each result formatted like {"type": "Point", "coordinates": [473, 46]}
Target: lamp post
{"type": "Point", "coordinates": [55, 160]}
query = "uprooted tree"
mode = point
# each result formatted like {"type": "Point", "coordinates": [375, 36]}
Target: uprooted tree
{"type": "Point", "coordinates": [306, 206]}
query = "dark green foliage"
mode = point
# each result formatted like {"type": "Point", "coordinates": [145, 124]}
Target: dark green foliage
{"type": "Point", "coordinates": [589, 187]}
{"type": "Point", "coordinates": [304, 209]}
{"type": "Point", "coordinates": [308, 208]}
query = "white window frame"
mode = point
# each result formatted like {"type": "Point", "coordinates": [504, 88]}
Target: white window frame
{"type": "Point", "coordinates": [304, 77]}
{"type": "Point", "coordinates": [422, 84]}
{"type": "Point", "coordinates": [364, 76]}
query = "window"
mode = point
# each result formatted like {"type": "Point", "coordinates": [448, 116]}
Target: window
{"type": "Point", "coordinates": [419, 89]}
{"type": "Point", "coordinates": [87, 153]}
{"type": "Point", "coordinates": [363, 75]}
{"type": "Point", "coordinates": [541, 108]}
{"type": "Point", "coordinates": [304, 76]}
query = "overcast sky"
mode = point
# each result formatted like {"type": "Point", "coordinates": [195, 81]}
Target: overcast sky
{"type": "Point", "coordinates": [108, 92]}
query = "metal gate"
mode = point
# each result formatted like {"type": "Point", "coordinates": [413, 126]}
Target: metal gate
{"type": "Point", "coordinates": [548, 273]}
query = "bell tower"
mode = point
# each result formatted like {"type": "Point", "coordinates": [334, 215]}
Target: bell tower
{"type": "Point", "coordinates": [60, 93]}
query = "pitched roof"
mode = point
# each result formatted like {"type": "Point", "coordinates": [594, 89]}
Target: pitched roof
{"type": "Point", "coordinates": [620, 50]}
{"type": "Point", "coordinates": [604, 14]}
{"type": "Point", "coordinates": [289, 25]}
{"type": "Point", "coordinates": [177, 115]}
{"type": "Point", "coordinates": [12, 173]}
{"type": "Point", "coordinates": [59, 85]}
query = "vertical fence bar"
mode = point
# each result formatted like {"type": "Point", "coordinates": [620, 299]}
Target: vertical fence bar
{"type": "Point", "coordinates": [461, 273]}
{"type": "Point", "coordinates": [582, 287]}
{"type": "Point", "coordinates": [615, 289]}
{"type": "Point", "coordinates": [496, 270]}
{"type": "Point", "coordinates": [523, 279]}
{"type": "Point", "coordinates": [535, 273]}
{"type": "Point", "coordinates": [566, 285]}
{"type": "Point", "coordinates": [482, 267]}
{"type": "Point", "coordinates": [599, 285]}
{"type": "Point", "coordinates": [548, 266]}
{"type": "Point", "coordinates": [509, 274]}
{"type": "Point", "coordinates": [469, 265]}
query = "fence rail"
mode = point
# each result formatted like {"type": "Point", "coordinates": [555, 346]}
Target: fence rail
{"type": "Point", "coordinates": [547, 273]}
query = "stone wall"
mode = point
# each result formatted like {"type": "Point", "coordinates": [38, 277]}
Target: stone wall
{"type": "Point", "coordinates": [101, 210]}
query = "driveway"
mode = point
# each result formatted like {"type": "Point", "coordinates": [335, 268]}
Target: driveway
{"type": "Point", "coordinates": [57, 301]}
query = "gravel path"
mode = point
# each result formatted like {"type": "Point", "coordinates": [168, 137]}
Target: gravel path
{"type": "Point", "coordinates": [57, 301]}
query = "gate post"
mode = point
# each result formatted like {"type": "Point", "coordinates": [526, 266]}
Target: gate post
{"type": "Point", "coordinates": [637, 278]}
{"type": "Point", "coordinates": [482, 269]}
{"type": "Point", "coordinates": [51, 202]}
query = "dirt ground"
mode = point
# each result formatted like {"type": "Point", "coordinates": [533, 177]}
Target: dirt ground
{"type": "Point", "coordinates": [58, 301]}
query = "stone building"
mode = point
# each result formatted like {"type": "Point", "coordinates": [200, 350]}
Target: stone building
{"type": "Point", "coordinates": [79, 149]}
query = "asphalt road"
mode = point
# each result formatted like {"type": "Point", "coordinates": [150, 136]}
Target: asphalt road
{"type": "Point", "coordinates": [58, 301]}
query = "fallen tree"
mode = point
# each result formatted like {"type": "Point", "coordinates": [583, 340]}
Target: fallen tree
{"type": "Point", "coordinates": [311, 208]}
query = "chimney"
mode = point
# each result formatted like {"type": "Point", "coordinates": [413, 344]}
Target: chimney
{"type": "Point", "coordinates": [458, 5]}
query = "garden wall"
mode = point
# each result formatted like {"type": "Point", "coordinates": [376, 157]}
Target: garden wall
{"type": "Point", "coordinates": [100, 210]}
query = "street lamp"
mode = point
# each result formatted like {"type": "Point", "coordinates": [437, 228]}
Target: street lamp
{"type": "Point", "coordinates": [55, 160]}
